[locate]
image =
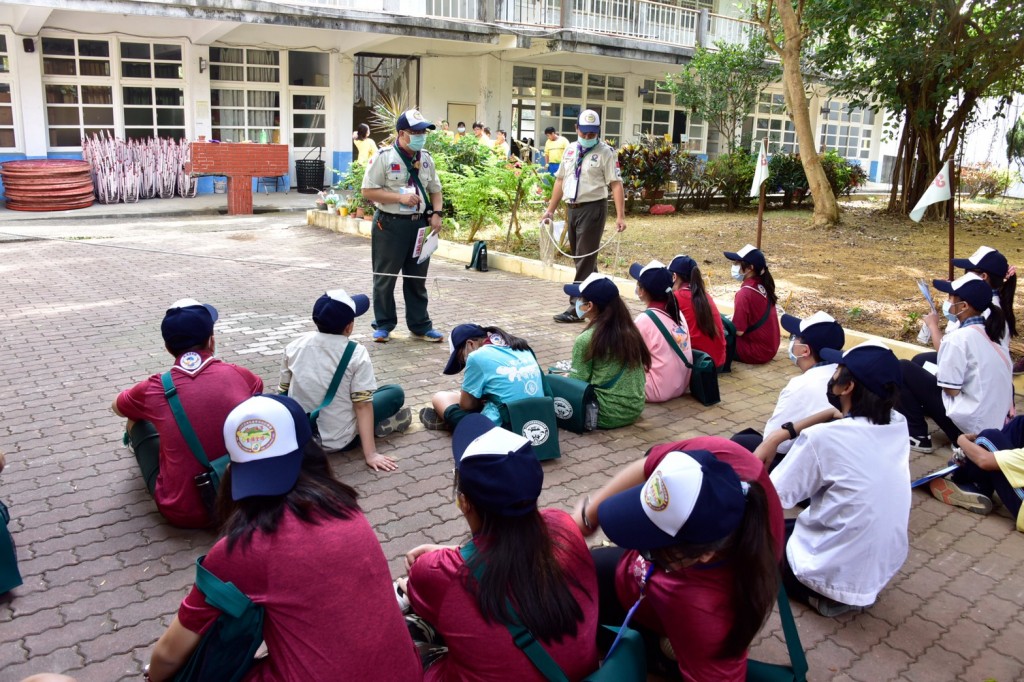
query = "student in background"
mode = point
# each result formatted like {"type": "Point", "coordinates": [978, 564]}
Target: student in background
{"type": "Point", "coordinates": [754, 314]}
{"type": "Point", "coordinates": [554, 149]}
{"type": "Point", "coordinates": [666, 337]}
{"type": "Point", "coordinates": [703, 321]}
{"type": "Point", "coordinates": [364, 144]}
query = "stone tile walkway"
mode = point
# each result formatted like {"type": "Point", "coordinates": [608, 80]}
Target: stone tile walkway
{"type": "Point", "coordinates": [104, 574]}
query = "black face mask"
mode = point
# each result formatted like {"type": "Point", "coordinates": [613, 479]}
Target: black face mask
{"type": "Point", "coordinates": [832, 398]}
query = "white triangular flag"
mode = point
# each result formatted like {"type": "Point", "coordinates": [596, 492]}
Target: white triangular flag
{"type": "Point", "coordinates": [936, 192]}
{"type": "Point", "coordinates": [760, 173]}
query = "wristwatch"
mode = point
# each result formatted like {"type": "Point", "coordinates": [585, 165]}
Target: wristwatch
{"type": "Point", "coordinates": [791, 429]}
{"type": "Point", "coordinates": [430, 213]}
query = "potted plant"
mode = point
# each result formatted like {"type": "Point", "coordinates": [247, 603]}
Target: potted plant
{"type": "Point", "coordinates": [332, 203]}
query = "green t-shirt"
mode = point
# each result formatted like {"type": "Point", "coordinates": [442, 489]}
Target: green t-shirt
{"type": "Point", "coordinates": [619, 405]}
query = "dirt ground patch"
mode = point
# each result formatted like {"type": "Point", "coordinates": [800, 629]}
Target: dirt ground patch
{"type": "Point", "coordinates": [862, 273]}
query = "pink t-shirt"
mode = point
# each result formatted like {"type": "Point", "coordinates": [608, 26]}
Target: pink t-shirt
{"type": "Point", "coordinates": [208, 389]}
{"type": "Point", "coordinates": [484, 651]}
{"type": "Point", "coordinates": [714, 347]}
{"type": "Point", "coordinates": [330, 611]}
{"type": "Point", "coordinates": [668, 376]}
{"type": "Point", "coordinates": [693, 606]}
{"type": "Point", "coordinates": [759, 346]}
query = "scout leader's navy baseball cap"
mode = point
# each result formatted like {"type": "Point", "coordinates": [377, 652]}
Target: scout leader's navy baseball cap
{"type": "Point", "coordinates": [751, 254]}
{"type": "Point", "coordinates": [871, 363]}
{"type": "Point", "coordinates": [653, 277]}
{"type": "Point", "coordinates": [985, 259]}
{"type": "Point", "coordinates": [498, 469]}
{"type": "Point", "coordinates": [691, 497]}
{"type": "Point", "coordinates": [265, 436]}
{"type": "Point", "coordinates": [682, 266]}
{"type": "Point", "coordinates": [456, 340]}
{"type": "Point", "coordinates": [187, 323]}
{"type": "Point", "coordinates": [333, 311]}
{"type": "Point", "coordinates": [413, 120]}
{"type": "Point", "coordinates": [818, 331]}
{"type": "Point", "coordinates": [970, 288]}
{"type": "Point", "coordinates": [595, 288]}
{"type": "Point", "coordinates": [589, 121]}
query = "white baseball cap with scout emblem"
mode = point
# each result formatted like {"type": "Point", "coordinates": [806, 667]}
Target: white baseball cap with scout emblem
{"type": "Point", "coordinates": [589, 121]}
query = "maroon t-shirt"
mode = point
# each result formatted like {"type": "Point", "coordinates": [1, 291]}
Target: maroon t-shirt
{"type": "Point", "coordinates": [759, 346]}
{"type": "Point", "coordinates": [330, 610]}
{"type": "Point", "coordinates": [484, 651]}
{"type": "Point", "coordinates": [693, 606]}
{"type": "Point", "coordinates": [714, 347]}
{"type": "Point", "coordinates": [208, 390]}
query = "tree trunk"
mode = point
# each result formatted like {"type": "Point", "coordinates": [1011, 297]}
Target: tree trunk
{"type": "Point", "coordinates": [826, 208]}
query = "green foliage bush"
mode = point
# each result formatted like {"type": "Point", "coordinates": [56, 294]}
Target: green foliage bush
{"type": "Point", "coordinates": [696, 185]}
{"type": "Point", "coordinates": [734, 174]}
{"type": "Point", "coordinates": [786, 175]}
{"type": "Point", "coordinates": [646, 168]}
{"type": "Point", "coordinates": [843, 176]}
{"type": "Point", "coordinates": [986, 179]}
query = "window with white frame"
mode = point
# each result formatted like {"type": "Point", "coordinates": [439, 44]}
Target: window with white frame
{"type": "Point", "coordinates": [659, 114]}
{"type": "Point", "coordinates": [771, 120]}
{"type": "Point", "coordinates": [152, 90]}
{"type": "Point", "coordinates": [245, 96]}
{"type": "Point", "coordinates": [8, 139]}
{"type": "Point", "coordinates": [847, 129]}
{"type": "Point", "coordinates": [78, 88]}
{"type": "Point", "coordinates": [564, 94]}
{"type": "Point", "coordinates": [524, 104]}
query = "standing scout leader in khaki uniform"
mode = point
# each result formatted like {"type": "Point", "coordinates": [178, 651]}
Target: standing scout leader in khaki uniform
{"type": "Point", "coordinates": [589, 168]}
{"type": "Point", "coordinates": [402, 182]}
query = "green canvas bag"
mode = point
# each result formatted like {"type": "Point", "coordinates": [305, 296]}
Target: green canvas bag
{"type": "Point", "coordinates": [575, 403]}
{"type": "Point", "coordinates": [703, 373]}
{"type": "Point", "coordinates": [534, 419]}
{"type": "Point", "coordinates": [796, 671]}
{"type": "Point", "coordinates": [10, 576]}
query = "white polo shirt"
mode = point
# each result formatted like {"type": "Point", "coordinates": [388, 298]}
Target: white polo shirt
{"type": "Point", "coordinates": [852, 538]}
{"type": "Point", "coordinates": [308, 367]}
{"type": "Point", "coordinates": [803, 396]}
{"type": "Point", "coordinates": [952, 326]}
{"type": "Point", "coordinates": [598, 167]}
{"type": "Point", "coordinates": [970, 362]}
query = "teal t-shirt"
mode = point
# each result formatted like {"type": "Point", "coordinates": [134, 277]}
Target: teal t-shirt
{"type": "Point", "coordinates": [620, 404]}
{"type": "Point", "coordinates": [498, 374]}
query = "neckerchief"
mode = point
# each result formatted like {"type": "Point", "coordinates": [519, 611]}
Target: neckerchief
{"type": "Point", "coordinates": [579, 166]}
{"type": "Point", "coordinates": [414, 172]}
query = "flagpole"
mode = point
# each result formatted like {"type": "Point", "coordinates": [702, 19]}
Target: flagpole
{"type": "Point", "coordinates": [761, 201]}
{"type": "Point", "coordinates": [952, 210]}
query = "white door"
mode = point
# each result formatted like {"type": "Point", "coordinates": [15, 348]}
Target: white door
{"type": "Point", "coordinates": [309, 113]}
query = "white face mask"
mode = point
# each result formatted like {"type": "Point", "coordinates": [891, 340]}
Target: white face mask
{"type": "Point", "coordinates": [737, 273]}
{"type": "Point", "coordinates": [947, 310]}
{"type": "Point", "coordinates": [792, 356]}
{"type": "Point", "coordinates": [461, 129]}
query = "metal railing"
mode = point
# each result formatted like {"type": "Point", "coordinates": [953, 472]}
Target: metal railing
{"type": "Point", "coordinates": [537, 13]}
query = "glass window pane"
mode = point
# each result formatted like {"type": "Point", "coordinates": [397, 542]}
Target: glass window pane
{"type": "Point", "coordinates": [98, 116]}
{"type": "Point", "coordinates": [661, 116]}
{"type": "Point", "coordinates": [308, 68]}
{"type": "Point", "coordinates": [170, 117]}
{"type": "Point", "coordinates": [59, 67]}
{"type": "Point", "coordinates": [3, 43]}
{"type": "Point", "coordinates": [138, 133]}
{"type": "Point", "coordinates": [137, 96]}
{"type": "Point", "coordinates": [5, 93]}
{"type": "Point", "coordinates": [173, 133]}
{"type": "Point", "coordinates": [138, 117]}
{"type": "Point", "coordinates": [59, 46]}
{"type": "Point", "coordinates": [228, 55]}
{"type": "Point", "coordinates": [612, 128]}
{"type": "Point", "coordinates": [134, 50]}
{"type": "Point", "coordinates": [61, 94]}
{"type": "Point", "coordinates": [573, 92]}
{"type": "Point", "coordinates": [595, 94]}
{"type": "Point", "coordinates": [93, 48]}
{"type": "Point", "coordinates": [65, 137]}
{"type": "Point", "coordinates": [5, 64]}
{"type": "Point", "coordinates": [135, 70]}
{"type": "Point", "coordinates": [552, 76]}
{"type": "Point", "coordinates": [167, 52]}
{"type": "Point", "coordinates": [62, 116]}
{"type": "Point", "coordinates": [227, 73]}
{"type": "Point", "coordinates": [307, 120]}
{"type": "Point", "coordinates": [524, 76]}
{"type": "Point", "coordinates": [595, 80]}
{"type": "Point", "coordinates": [91, 67]}
{"type": "Point", "coordinates": [310, 139]}
{"type": "Point", "coordinates": [7, 138]}
{"type": "Point", "coordinates": [573, 78]}
{"type": "Point", "coordinates": [307, 101]}
{"type": "Point", "coordinates": [170, 97]}
{"type": "Point", "coordinates": [97, 94]}
{"type": "Point", "coordinates": [616, 82]}
{"type": "Point", "coordinates": [166, 71]}
{"type": "Point", "coordinates": [616, 96]}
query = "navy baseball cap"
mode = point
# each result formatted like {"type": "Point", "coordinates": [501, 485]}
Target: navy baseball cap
{"type": "Point", "coordinates": [970, 288]}
{"type": "Point", "coordinates": [589, 121]}
{"type": "Point", "coordinates": [188, 323]}
{"type": "Point", "coordinates": [818, 331]}
{"type": "Point", "coordinates": [692, 497]}
{"type": "Point", "coordinates": [653, 277]}
{"type": "Point", "coordinates": [871, 363]}
{"type": "Point", "coordinates": [985, 259]}
{"type": "Point", "coordinates": [595, 288]}
{"type": "Point", "coordinates": [456, 340]}
{"type": "Point", "coordinates": [413, 120]}
{"type": "Point", "coordinates": [682, 266]}
{"type": "Point", "coordinates": [265, 436]}
{"type": "Point", "coordinates": [498, 469]}
{"type": "Point", "coordinates": [749, 254]}
{"type": "Point", "coordinates": [335, 310]}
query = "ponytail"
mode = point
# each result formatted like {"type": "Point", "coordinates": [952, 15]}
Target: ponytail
{"type": "Point", "coordinates": [995, 323]}
{"type": "Point", "coordinates": [669, 299]}
{"type": "Point", "coordinates": [1007, 289]}
{"type": "Point", "coordinates": [701, 306]}
{"type": "Point", "coordinates": [510, 340]}
{"type": "Point", "coordinates": [769, 286]}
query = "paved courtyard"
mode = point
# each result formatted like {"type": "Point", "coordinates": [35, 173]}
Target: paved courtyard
{"type": "Point", "coordinates": [104, 573]}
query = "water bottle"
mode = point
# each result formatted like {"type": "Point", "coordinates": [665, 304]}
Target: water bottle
{"type": "Point", "coordinates": [482, 263]}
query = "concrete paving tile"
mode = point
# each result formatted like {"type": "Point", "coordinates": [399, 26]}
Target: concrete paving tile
{"type": "Point", "coordinates": [944, 609]}
{"type": "Point", "coordinates": [994, 666]}
{"type": "Point", "coordinates": [937, 663]}
{"type": "Point", "coordinates": [66, 658]}
{"type": "Point", "coordinates": [881, 662]}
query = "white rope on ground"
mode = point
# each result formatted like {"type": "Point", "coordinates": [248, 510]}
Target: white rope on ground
{"type": "Point", "coordinates": [614, 238]}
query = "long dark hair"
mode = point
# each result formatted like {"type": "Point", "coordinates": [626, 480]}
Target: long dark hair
{"type": "Point", "coordinates": [1007, 289]}
{"type": "Point", "coordinates": [317, 494]}
{"type": "Point", "coordinates": [669, 299]}
{"type": "Point", "coordinates": [362, 131]}
{"type": "Point", "coordinates": [766, 280]}
{"type": "Point", "coordinates": [863, 403]}
{"type": "Point", "coordinates": [616, 337]}
{"type": "Point", "coordinates": [701, 306]}
{"type": "Point", "coordinates": [750, 551]}
{"type": "Point", "coordinates": [521, 566]}
{"type": "Point", "coordinates": [995, 323]}
{"type": "Point", "coordinates": [510, 340]}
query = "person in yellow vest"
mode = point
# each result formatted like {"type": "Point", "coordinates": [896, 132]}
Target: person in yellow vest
{"type": "Point", "coordinates": [554, 148]}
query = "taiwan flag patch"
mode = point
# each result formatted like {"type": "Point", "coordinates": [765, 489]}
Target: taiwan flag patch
{"type": "Point", "coordinates": [396, 168]}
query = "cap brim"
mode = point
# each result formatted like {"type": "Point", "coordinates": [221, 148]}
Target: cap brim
{"type": "Point", "coordinates": [943, 286]}
{"type": "Point", "coordinates": [265, 477]}
{"type": "Point", "coordinates": [423, 126]}
{"type": "Point", "coordinates": [831, 355]}
{"type": "Point", "coordinates": [634, 270]}
{"type": "Point", "coordinates": [455, 363]}
{"type": "Point", "coordinates": [623, 520]}
{"type": "Point", "coordinates": [732, 255]}
{"type": "Point", "coordinates": [471, 427]}
{"type": "Point", "coordinates": [589, 129]}
{"type": "Point", "coordinates": [791, 324]}
{"type": "Point", "coordinates": [572, 290]}
{"type": "Point", "coordinates": [362, 302]}
{"type": "Point", "coordinates": [964, 263]}
{"type": "Point", "coordinates": [210, 309]}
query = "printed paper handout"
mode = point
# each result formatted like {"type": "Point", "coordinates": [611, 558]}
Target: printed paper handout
{"type": "Point", "coordinates": [429, 246]}
{"type": "Point", "coordinates": [418, 249]}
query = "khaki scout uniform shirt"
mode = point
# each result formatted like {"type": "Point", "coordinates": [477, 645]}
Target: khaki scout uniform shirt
{"type": "Point", "coordinates": [596, 169]}
{"type": "Point", "coordinates": [388, 171]}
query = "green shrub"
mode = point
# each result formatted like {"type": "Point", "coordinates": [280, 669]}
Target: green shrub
{"type": "Point", "coordinates": [734, 173]}
{"type": "Point", "coordinates": [786, 175]}
{"type": "Point", "coordinates": [843, 176]}
{"type": "Point", "coordinates": [695, 184]}
{"type": "Point", "coordinates": [986, 179]}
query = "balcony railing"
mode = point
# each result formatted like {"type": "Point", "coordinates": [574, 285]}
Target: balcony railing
{"type": "Point", "coordinates": [637, 19]}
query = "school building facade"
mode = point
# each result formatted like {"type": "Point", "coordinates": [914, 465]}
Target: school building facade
{"type": "Point", "coordinates": [305, 72]}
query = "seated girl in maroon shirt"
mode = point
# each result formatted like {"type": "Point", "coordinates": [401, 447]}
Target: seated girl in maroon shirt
{"type": "Point", "coordinates": [534, 559]}
{"type": "Point", "coordinates": [296, 543]}
{"type": "Point", "coordinates": [702, 528]}
{"type": "Point", "coordinates": [702, 317]}
{"type": "Point", "coordinates": [754, 314]}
